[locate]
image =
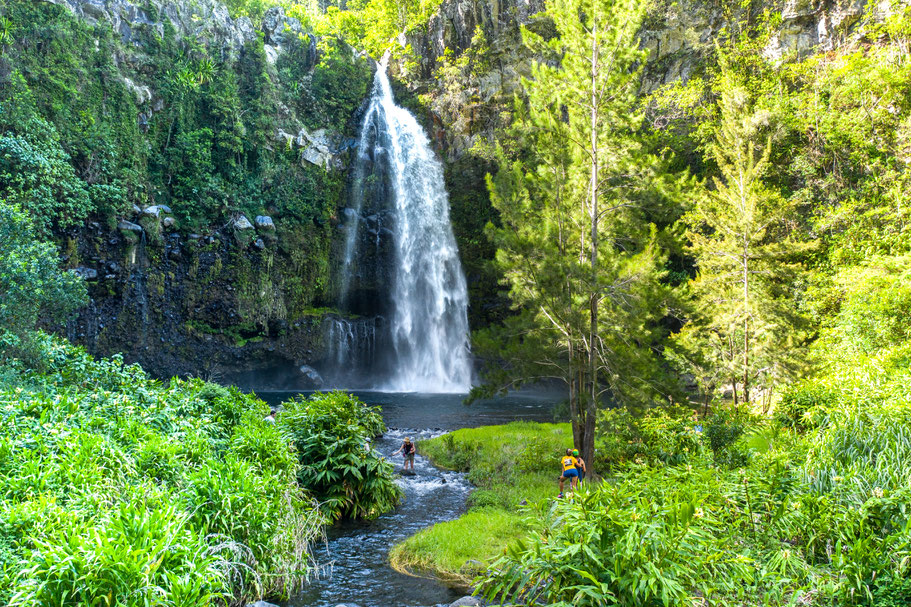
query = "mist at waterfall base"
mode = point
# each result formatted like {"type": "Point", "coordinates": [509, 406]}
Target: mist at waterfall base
{"type": "Point", "coordinates": [402, 295]}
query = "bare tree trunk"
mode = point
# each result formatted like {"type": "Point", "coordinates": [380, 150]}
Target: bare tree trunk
{"type": "Point", "coordinates": [746, 321]}
{"type": "Point", "coordinates": [588, 445]}
{"type": "Point", "coordinates": [574, 398]}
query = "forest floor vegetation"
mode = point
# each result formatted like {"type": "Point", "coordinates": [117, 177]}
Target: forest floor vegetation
{"type": "Point", "coordinates": [117, 486]}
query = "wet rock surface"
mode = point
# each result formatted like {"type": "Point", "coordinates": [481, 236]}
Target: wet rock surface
{"type": "Point", "coordinates": [197, 304]}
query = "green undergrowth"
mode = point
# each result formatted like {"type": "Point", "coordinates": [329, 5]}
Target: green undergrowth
{"type": "Point", "coordinates": [118, 489]}
{"type": "Point", "coordinates": [807, 507]}
{"type": "Point", "coordinates": [509, 465]}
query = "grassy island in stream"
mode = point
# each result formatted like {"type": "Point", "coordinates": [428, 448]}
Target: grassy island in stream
{"type": "Point", "coordinates": [508, 464]}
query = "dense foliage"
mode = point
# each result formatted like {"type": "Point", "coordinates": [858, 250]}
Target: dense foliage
{"type": "Point", "coordinates": [809, 505]}
{"type": "Point", "coordinates": [91, 125]}
{"type": "Point", "coordinates": [117, 487]}
{"type": "Point", "coordinates": [332, 434]}
{"type": "Point", "coordinates": [31, 284]}
{"type": "Point", "coordinates": [817, 515]}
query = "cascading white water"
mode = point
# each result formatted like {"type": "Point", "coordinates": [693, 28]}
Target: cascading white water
{"type": "Point", "coordinates": [427, 326]}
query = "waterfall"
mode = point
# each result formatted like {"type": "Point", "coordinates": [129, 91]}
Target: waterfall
{"type": "Point", "coordinates": [416, 282]}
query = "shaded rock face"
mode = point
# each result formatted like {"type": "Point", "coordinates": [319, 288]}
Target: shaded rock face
{"type": "Point", "coordinates": [198, 305]}
{"type": "Point", "coordinates": [463, 114]}
{"type": "Point", "coordinates": [453, 27]}
{"type": "Point", "coordinates": [678, 34]}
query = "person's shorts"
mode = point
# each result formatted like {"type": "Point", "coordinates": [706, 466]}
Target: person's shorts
{"type": "Point", "coordinates": [409, 456]}
{"type": "Point", "coordinates": [570, 473]}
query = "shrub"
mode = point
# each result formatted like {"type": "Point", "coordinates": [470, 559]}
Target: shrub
{"type": "Point", "coordinates": [132, 555]}
{"type": "Point", "coordinates": [669, 437]}
{"type": "Point", "coordinates": [263, 445]}
{"type": "Point", "coordinates": [31, 282]}
{"type": "Point", "coordinates": [722, 431]}
{"type": "Point", "coordinates": [803, 405]}
{"type": "Point", "coordinates": [331, 434]}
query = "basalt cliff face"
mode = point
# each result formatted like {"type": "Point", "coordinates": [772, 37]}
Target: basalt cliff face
{"type": "Point", "coordinates": [471, 102]}
{"type": "Point", "coordinates": [237, 292]}
{"type": "Point", "coordinates": [248, 299]}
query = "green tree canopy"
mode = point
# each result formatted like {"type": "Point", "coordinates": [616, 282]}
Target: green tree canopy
{"type": "Point", "coordinates": [32, 285]}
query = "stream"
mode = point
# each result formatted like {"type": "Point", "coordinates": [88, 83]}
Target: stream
{"type": "Point", "coordinates": [353, 565]}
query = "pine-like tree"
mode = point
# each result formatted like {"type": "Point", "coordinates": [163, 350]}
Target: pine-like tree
{"type": "Point", "coordinates": [580, 260]}
{"type": "Point", "coordinates": [746, 325]}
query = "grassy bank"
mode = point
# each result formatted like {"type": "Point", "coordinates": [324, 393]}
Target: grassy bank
{"type": "Point", "coordinates": [116, 488]}
{"type": "Point", "coordinates": [509, 465]}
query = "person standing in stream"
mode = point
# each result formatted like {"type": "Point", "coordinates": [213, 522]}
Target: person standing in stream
{"type": "Point", "coordinates": [407, 450]}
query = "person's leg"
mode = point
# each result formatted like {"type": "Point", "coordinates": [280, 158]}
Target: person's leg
{"type": "Point", "coordinates": [561, 484]}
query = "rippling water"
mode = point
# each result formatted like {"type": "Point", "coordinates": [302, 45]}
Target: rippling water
{"type": "Point", "coordinates": [354, 561]}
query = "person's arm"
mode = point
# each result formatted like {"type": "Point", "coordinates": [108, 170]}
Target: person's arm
{"type": "Point", "coordinates": [398, 451]}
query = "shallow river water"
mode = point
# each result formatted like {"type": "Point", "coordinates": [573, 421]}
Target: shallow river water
{"type": "Point", "coordinates": [354, 567]}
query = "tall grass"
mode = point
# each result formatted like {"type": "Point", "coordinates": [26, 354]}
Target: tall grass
{"type": "Point", "coordinates": [117, 489]}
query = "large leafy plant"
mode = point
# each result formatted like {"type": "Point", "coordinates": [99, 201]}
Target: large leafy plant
{"type": "Point", "coordinates": [332, 434]}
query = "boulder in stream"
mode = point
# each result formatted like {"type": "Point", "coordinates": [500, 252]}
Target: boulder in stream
{"type": "Point", "coordinates": [261, 604]}
{"type": "Point", "coordinates": [468, 601]}
{"type": "Point", "coordinates": [311, 376]}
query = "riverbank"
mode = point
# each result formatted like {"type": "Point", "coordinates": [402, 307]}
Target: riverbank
{"type": "Point", "coordinates": [509, 465]}
{"type": "Point", "coordinates": [807, 505]}
{"type": "Point", "coordinates": [113, 484]}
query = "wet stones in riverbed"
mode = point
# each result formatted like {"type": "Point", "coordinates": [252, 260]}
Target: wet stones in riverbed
{"type": "Point", "coordinates": [261, 604]}
{"type": "Point", "coordinates": [310, 377]}
{"type": "Point", "coordinates": [468, 601]}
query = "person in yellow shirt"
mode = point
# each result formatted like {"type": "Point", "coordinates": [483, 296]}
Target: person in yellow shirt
{"type": "Point", "coordinates": [568, 471]}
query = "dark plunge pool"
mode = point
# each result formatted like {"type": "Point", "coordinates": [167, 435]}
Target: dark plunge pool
{"type": "Point", "coordinates": [354, 567]}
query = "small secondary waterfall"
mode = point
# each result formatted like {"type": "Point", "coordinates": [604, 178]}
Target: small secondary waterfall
{"type": "Point", "coordinates": [400, 262]}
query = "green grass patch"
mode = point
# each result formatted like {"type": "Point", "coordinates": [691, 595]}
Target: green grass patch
{"type": "Point", "coordinates": [450, 550]}
{"type": "Point", "coordinates": [509, 465]}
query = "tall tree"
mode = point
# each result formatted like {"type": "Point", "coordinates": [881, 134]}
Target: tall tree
{"type": "Point", "coordinates": [581, 262]}
{"type": "Point", "coordinates": [746, 322]}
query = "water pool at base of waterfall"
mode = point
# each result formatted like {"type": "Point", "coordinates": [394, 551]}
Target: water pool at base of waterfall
{"type": "Point", "coordinates": [354, 567]}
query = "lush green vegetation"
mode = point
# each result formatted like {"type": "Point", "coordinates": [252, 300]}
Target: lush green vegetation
{"type": "Point", "coordinates": [739, 299]}
{"type": "Point", "coordinates": [807, 507]}
{"type": "Point", "coordinates": [509, 465]}
{"type": "Point", "coordinates": [177, 122]}
{"type": "Point", "coordinates": [725, 262]}
{"type": "Point", "coordinates": [31, 285]}
{"type": "Point", "coordinates": [117, 487]}
{"type": "Point", "coordinates": [332, 434]}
